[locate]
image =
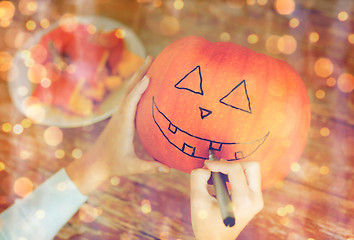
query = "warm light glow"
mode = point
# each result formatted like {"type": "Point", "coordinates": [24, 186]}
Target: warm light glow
{"type": "Point", "coordinates": [287, 44]}
{"type": "Point", "coordinates": [262, 2]}
{"type": "Point", "coordinates": [31, 25]}
{"type": "Point", "coordinates": [272, 44]}
{"type": "Point", "coordinates": [44, 23]}
{"type": "Point", "coordinates": [76, 153]}
{"type": "Point", "coordinates": [252, 39]}
{"type": "Point", "coordinates": [22, 91]}
{"type": "Point", "coordinates": [17, 129]}
{"type": "Point", "coordinates": [5, 61]}
{"type": "Point", "coordinates": [281, 211]}
{"type": "Point", "coordinates": [68, 22]}
{"type": "Point", "coordinates": [320, 94]}
{"type": "Point", "coordinates": [285, 7]}
{"type": "Point", "coordinates": [34, 110]}
{"type": "Point", "coordinates": [250, 2]}
{"type": "Point", "coordinates": [342, 16]}
{"type": "Point", "coordinates": [45, 82]}
{"type": "Point", "coordinates": [23, 186]}
{"type": "Point", "coordinates": [40, 214]}
{"type": "Point", "coordinates": [178, 4]}
{"type": "Point", "coordinates": [6, 127]}
{"type": "Point", "coordinates": [169, 26]}
{"type": "Point", "coordinates": [36, 73]}
{"type": "Point", "coordinates": [324, 170]}
{"type": "Point", "coordinates": [87, 213]}
{"type": "Point", "coordinates": [345, 82]}
{"type": "Point", "coordinates": [235, 3]}
{"type": "Point", "coordinates": [59, 153]}
{"type": "Point", "coordinates": [115, 181]}
{"type": "Point", "coordinates": [294, 23]}
{"type": "Point", "coordinates": [325, 132]}
{"type": "Point", "coordinates": [225, 37]}
{"type": "Point", "coordinates": [314, 37]}
{"type": "Point", "coordinates": [91, 29]}
{"type": "Point", "coordinates": [351, 38]}
{"type": "Point", "coordinates": [38, 53]}
{"type": "Point", "coordinates": [7, 10]}
{"type": "Point", "coordinates": [27, 7]}
{"type": "Point", "coordinates": [24, 154]}
{"type": "Point", "coordinates": [295, 167]}
{"type": "Point", "coordinates": [323, 67]}
{"type": "Point", "coordinates": [145, 206]}
{"type": "Point", "coordinates": [289, 208]}
{"type": "Point", "coordinates": [331, 81]}
{"type": "Point", "coordinates": [120, 33]}
{"type": "Point", "coordinates": [53, 136]}
{"type": "Point", "coordinates": [2, 166]}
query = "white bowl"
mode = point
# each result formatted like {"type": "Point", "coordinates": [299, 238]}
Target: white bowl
{"type": "Point", "coordinates": [21, 88]}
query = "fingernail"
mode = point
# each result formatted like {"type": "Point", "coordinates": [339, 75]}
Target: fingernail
{"type": "Point", "coordinates": [163, 170]}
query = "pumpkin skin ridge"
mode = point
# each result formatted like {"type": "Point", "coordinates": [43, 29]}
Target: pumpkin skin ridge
{"type": "Point", "coordinates": [257, 143]}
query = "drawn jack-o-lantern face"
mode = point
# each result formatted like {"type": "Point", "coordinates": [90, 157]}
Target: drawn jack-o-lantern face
{"type": "Point", "coordinates": [226, 98]}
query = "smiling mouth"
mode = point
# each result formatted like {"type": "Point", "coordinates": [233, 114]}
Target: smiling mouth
{"type": "Point", "coordinates": [187, 143]}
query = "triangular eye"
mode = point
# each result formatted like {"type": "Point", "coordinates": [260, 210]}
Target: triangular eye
{"type": "Point", "coordinates": [238, 98]}
{"type": "Point", "coordinates": [192, 81]}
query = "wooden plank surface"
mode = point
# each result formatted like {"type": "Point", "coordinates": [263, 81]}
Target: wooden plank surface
{"type": "Point", "coordinates": [315, 201]}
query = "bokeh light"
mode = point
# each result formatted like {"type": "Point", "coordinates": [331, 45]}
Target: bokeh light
{"type": "Point", "coordinates": [68, 22]}
{"type": "Point", "coordinates": [251, 2]}
{"type": "Point", "coordinates": [76, 153]}
{"type": "Point", "coordinates": [342, 16]}
{"type": "Point", "coordinates": [40, 214]}
{"type": "Point", "coordinates": [2, 166]}
{"type": "Point", "coordinates": [59, 153]}
{"type": "Point", "coordinates": [115, 180]}
{"type": "Point", "coordinates": [31, 25]}
{"type": "Point", "coordinates": [287, 44]}
{"type": "Point", "coordinates": [320, 94]}
{"type": "Point", "coordinates": [6, 127]}
{"type": "Point", "coordinates": [169, 26]}
{"type": "Point", "coordinates": [178, 4]}
{"type": "Point", "coordinates": [351, 38]}
{"type": "Point", "coordinates": [324, 170]}
{"type": "Point", "coordinates": [44, 23]}
{"type": "Point", "coordinates": [23, 186]}
{"type": "Point", "coordinates": [262, 2]}
{"type": "Point", "coordinates": [272, 44]}
{"type": "Point", "coordinates": [285, 7]}
{"type": "Point", "coordinates": [88, 213]}
{"type": "Point", "coordinates": [7, 11]}
{"type": "Point", "coordinates": [27, 7]}
{"type": "Point", "coordinates": [235, 3]}
{"type": "Point", "coordinates": [323, 67]}
{"type": "Point", "coordinates": [17, 129]}
{"type": "Point", "coordinates": [325, 132]}
{"type": "Point", "coordinates": [331, 81]}
{"type": "Point", "coordinates": [36, 73]}
{"type": "Point", "coordinates": [120, 33]}
{"type": "Point", "coordinates": [145, 206]}
{"type": "Point", "coordinates": [345, 82]}
{"type": "Point", "coordinates": [294, 22]}
{"type": "Point", "coordinates": [53, 136]}
{"type": "Point", "coordinates": [34, 110]}
{"type": "Point", "coordinates": [252, 38]}
{"type": "Point", "coordinates": [295, 167]}
{"type": "Point", "coordinates": [314, 37]}
{"type": "Point", "coordinates": [225, 37]}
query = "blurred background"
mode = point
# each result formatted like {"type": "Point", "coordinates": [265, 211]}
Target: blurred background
{"type": "Point", "coordinates": [315, 201]}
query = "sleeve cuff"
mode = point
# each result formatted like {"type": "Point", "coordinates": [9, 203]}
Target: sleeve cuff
{"type": "Point", "coordinates": [41, 214]}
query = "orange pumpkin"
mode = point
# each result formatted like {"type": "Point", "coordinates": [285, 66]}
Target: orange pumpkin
{"type": "Point", "coordinates": [221, 96]}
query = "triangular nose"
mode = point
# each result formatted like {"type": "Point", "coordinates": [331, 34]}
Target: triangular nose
{"type": "Point", "coordinates": [204, 112]}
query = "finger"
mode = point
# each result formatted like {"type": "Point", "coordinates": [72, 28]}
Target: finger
{"type": "Point", "coordinates": [199, 182]}
{"type": "Point", "coordinates": [139, 74]}
{"type": "Point", "coordinates": [253, 175]}
{"type": "Point", "coordinates": [235, 173]}
{"type": "Point", "coordinates": [131, 102]}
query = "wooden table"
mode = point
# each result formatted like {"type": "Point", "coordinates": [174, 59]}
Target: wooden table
{"type": "Point", "coordinates": [315, 201]}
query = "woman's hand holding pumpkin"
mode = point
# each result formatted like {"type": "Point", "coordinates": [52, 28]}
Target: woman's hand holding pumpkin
{"type": "Point", "coordinates": [246, 195]}
{"type": "Point", "coordinates": [113, 153]}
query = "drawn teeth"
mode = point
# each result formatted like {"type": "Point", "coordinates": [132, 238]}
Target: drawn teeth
{"type": "Point", "coordinates": [215, 146]}
{"type": "Point", "coordinates": [172, 128]}
{"type": "Point", "coordinates": [189, 150]}
{"type": "Point", "coordinates": [239, 155]}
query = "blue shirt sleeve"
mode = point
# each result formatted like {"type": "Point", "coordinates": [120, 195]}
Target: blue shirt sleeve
{"type": "Point", "coordinates": [41, 214]}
